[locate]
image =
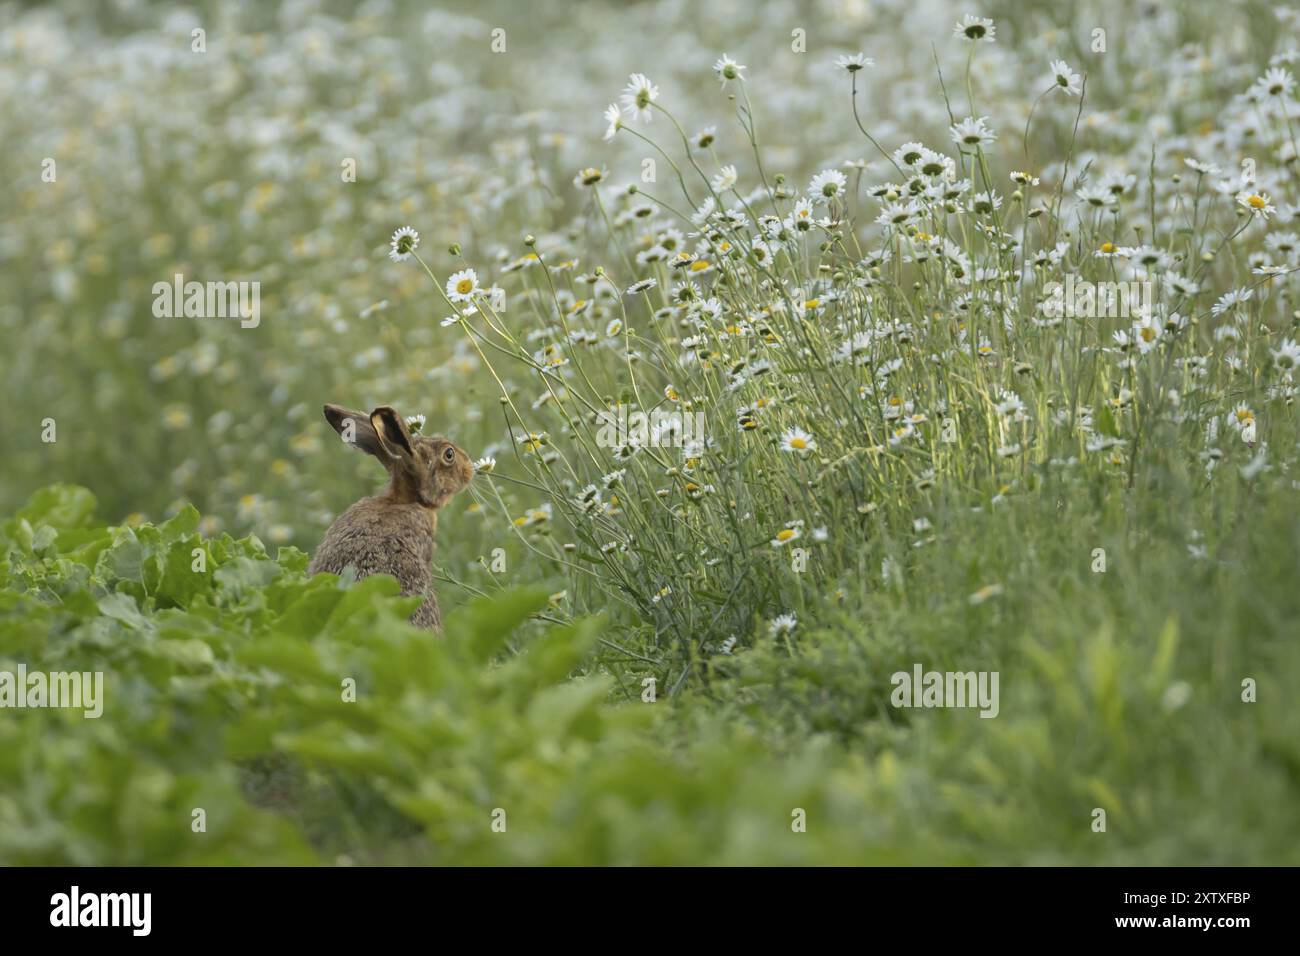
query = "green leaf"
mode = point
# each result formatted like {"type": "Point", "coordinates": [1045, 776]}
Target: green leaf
{"type": "Point", "coordinates": [483, 626]}
{"type": "Point", "coordinates": [245, 574]}
{"type": "Point", "coordinates": [310, 612]}
{"type": "Point", "coordinates": [291, 559]}
{"type": "Point", "coordinates": [60, 506]}
{"type": "Point", "coordinates": [1106, 421]}
{"type": "Point", "coordinates": [181, 525]}
{"type": "Point", "coordinates": [570, 708]}
{"type": "Point", "coordinates": [1166, 647]}
{"type": "Point", "coordinates": [122, 607]}
{"type": "Point", "coordinates": [554, 655]}
{"type": "Point", "coordinates": [84, 545]}
{"type": "Point", "coordinates": [180, 582]}
{"type": "Point", "coordinates": [123, 560]}
{"type": "Point", "coordinates": [188, 652]}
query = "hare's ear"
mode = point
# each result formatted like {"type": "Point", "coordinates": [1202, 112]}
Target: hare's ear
{"type": "Point", "coordinates": [355, 430]}
{"type": "Point", "coordinates": [394, 437]}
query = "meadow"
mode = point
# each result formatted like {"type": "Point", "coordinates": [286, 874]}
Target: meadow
{"type": "Point", "coordinates": [796, 348]}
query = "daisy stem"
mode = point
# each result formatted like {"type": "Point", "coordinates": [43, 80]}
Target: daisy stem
{"type": "Point", "coordinates": [857, 119]}
{"type": "Point", "coordinates": [609, 226]}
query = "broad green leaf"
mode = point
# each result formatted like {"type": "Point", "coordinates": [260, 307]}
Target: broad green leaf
{"type": "Point", "coordinates": [122, 607]}
{"type": "Point", "coordinates": [60, 506]}
{"type": "Point", "coordinates": [483, 626]}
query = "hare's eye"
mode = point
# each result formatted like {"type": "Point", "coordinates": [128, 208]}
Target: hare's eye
{"type": "Point", "coordinates": [449, 455]}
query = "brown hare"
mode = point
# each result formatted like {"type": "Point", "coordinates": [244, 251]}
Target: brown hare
{"type": "Point", "coordinates": [393, 532]}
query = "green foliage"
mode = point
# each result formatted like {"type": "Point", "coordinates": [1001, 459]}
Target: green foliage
{"type": "Point", "coordinates": [226, 691]}
{"type": "Point", "coordinates": [310, 722]}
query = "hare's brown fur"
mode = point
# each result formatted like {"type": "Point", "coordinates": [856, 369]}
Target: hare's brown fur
{"type": "Point", "coordinates": [393, 532]}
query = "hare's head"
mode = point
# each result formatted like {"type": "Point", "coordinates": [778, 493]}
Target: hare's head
{"type": "Point", "coordinates": [427, 470]}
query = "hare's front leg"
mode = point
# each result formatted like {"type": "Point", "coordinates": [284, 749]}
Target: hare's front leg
{"type": "Point", "coordinates": [428, 615]}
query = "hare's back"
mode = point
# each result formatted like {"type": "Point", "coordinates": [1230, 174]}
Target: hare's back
{"type": "Point", "coordinates": [379, 537]}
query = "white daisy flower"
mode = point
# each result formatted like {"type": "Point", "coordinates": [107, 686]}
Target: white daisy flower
{"type": "Point", "coordinates": [785, 536]}
{"type": "Point", "coordinates": [1277, 82]}
{"type": "Point", "coordinates": [975, 29]}
{"type": "Point", "coordinates": [801, 216]}
{"type": "Point", "coordinates": [1065, 79]}
{"type": "Point", "coordinates": [797, 441]}
{"type": "Point", "coordinates": [589, 176]}
{"type": "Point", "coordinates": [614, 119]}
{"type": "Point", "coordinates": [827, 185]}
{"type": "Point", "coordinates": [1011, 406]}
{"type": "Point", "coordinates": [854, 63]}
{"type": "Point", "coordinates": [404, 242]}
{"type": "Point", "coordinates": [638, 96]}
{"type": "Point", "coordinates": [728, 69]}
{"type": "Point", "coordinates": [1287, 355]}
{"type": "Point", "coordinates": [1096, 197]}
{"type": "Point", "coordinates": [705, 211]}
{"type": "Point", "coordinates": [972, 132]}
{"type": "Point", "coordinates": [588, 499]}
{"type": "Point", "coordinates": [1257, 204]}
{"type": "Point", "coordinates": [1205, 169]}
{"type": "Point", "coordinates": [1230, 300]}
{"type": "Point", "coordinates": [782, 624]}
{"type": "Point", "coordinates": [462, 285]}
